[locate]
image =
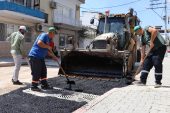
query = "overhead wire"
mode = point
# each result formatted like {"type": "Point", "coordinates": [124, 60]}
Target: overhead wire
{"type": "Point", "coordinates": [113, 6]}
{"type": "Point", "coordinates": [93, 9]}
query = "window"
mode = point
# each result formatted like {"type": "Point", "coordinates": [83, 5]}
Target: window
{"type": "Point", "coordinates": [46, 17]}
{"type": "Point", "coordinates": [65, 40]}
{"type": "Point", "coordinates": [99, 44]}
{"type": "Point", "coordinates": [21, 2]}
{"type": "Point", "coordinates": [58, 13]}
{"type": "Point", "coordinates": [7, 29]}
{"type": "Point", "coordinates": [36, 4]}
{"type": "Point", "coordinates": [28, 34]}
{"type": "Point", "coordinates": [69, 40]}
{"type": "Point", "coordinates": [66, 12]}
{"type": "Point", "coordinates": [71, 13]}
{"type": "Point", "coordinates": [2, 31]}
{"type": "Point", "coordinates": [59, 10]}
{"type": "Point", "coordinates": [29, 3]}
{"type": "Point", "coordinates": [11, 28]}
{"type": "Point", "coordinates": [62, 40]}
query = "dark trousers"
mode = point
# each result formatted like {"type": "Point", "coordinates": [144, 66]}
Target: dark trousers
{"type": "Point", "coordinates": [38, 71]}
{"type": "Point", "coordinates": [155, 58]}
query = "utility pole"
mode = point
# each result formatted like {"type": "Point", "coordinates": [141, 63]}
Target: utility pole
{"type": "Point", "coordinates": [157, 4]}
{"type": "Point", "coordinates": [166, 20]}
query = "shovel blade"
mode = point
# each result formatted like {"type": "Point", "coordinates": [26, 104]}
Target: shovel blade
{"type": "Point", "coordinates": [71, 82]}
{"type": "Point", "coordinates": [138, 70]}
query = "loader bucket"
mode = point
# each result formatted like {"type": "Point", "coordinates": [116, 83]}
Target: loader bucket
{"type": "Point", "coordinates": [92, 64]}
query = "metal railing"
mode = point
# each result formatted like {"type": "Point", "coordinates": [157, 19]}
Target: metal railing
{"type": "Point", "coordinates": [5, 5]}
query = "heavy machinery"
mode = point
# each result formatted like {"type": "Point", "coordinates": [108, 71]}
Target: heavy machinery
{"type": "Point", "coordinates": [112, 54]}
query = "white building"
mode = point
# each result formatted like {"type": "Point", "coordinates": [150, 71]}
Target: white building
{"type": "Point", "coordinates": [67, 18]}
{"type": "Point", "coordinates": [86, 16]}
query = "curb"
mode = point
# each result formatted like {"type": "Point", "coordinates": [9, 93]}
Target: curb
{"type": "Point", "coordinates": [6, 64]}
{"type": "Point", "coordinates": [94, 102]}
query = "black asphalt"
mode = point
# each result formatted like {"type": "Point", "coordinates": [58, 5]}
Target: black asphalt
{"type": "Point", "coordinates": [19, 102]}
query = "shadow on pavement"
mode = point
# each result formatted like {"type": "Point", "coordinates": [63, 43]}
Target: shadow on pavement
{"type": "Point", "coordinates": [165, 86]}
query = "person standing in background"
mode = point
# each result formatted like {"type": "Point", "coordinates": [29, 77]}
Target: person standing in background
{"type": "Point", "coordinates": [17, 51]}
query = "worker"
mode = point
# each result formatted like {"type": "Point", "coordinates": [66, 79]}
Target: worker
{"type": "Point", "coordinates": [157, 48]}
{"type": "Point", "coordinates": [37, 55]}
{"type": "Point", "coordinates": [17, 40]}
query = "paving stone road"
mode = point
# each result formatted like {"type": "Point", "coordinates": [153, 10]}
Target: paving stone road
{"type": "Point", "coordinates": [134, 99]}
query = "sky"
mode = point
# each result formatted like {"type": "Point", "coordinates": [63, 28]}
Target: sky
{"type": "Point", "coordinates": [147, 16]}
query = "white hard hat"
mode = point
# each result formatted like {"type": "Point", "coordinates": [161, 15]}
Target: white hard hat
{"type": "Point", "coordinates": [23, 28]}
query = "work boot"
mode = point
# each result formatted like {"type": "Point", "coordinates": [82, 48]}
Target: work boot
{"type": "Point", "coordinates": [140, 83]}
{"type": "Point", "coordinates": [35, 88]}
{"type": "Point", "coordinates": [158, 85]}
{"type": "Point", "coordinates": [46, 87]}
{"type": "Point", "coordinates": [17, 82]}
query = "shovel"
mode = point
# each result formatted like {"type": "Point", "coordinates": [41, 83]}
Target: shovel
{"type": "Point", "coordinates": [68, 81]}
{"type": "Point", "coordinates": [141, 65]}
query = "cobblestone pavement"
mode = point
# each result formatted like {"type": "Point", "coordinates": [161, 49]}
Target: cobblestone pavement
{"type": "Point", "coordinates": [134, 99]}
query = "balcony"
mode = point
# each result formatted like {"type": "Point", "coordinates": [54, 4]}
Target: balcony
{"type": "Point", "coordinates": [14, 11]}
{"type": "Point", "coordinates": [68, 21]}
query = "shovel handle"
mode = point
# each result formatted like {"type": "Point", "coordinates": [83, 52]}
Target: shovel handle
{"type": "Point", "coordinates": [60, 66]}
{"type": "Point", "coordinates": [63, 70]}
{"type": "Point", "coordinates": [141, 65]}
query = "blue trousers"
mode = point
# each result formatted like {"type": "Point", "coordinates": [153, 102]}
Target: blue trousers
{"type": "Point", "coordinates": [155, 58]}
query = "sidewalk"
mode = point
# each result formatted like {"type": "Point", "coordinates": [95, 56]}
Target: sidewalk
{"type": "Point", "coordinates": [8, 61]}
{"type": "Point", "coordinates": [134, 99]}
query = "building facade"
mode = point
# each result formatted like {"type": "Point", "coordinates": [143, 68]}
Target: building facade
{"type": "Point", "coordinates": [66, 18]}
{"type": "Point", "coordinates": [14, 13]}
{"type": "Point", "coordinates": [37, 16]}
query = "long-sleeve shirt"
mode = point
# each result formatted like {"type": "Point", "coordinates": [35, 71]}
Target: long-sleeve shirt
{"type": "Point", "coordinates": [16, 40]}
